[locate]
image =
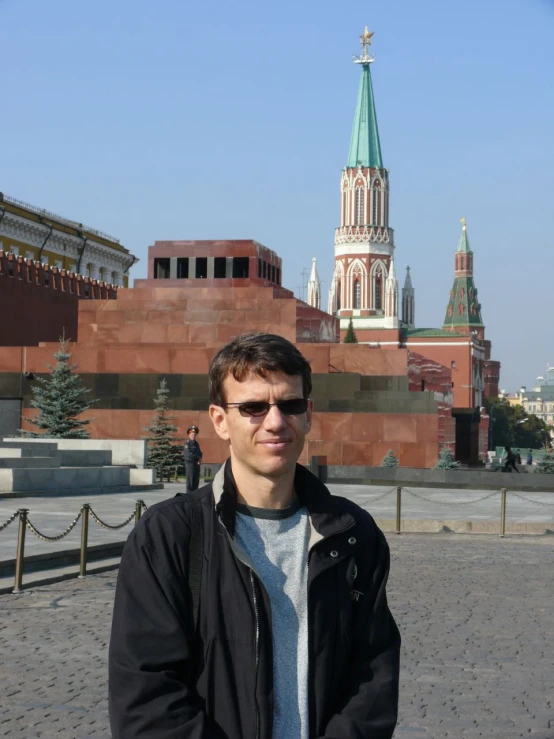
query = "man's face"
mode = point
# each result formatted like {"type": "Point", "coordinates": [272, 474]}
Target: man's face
{"type": "Point", "coordinates": [269, 445]}
{"type": "Point", "coordinates": [192, 435]}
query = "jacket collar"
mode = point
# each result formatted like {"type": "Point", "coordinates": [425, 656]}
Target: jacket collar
{"type": "Point", "coordinates": [328, 514]}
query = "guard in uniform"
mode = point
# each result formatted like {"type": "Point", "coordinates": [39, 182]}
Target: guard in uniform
{"type": "Point", "coordinates": [193, 456]}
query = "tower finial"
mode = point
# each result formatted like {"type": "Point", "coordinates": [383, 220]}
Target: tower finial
{"type": "Point", "coordinates": [365, 40]}
{"type": "Point", "coordinates": [464, 223]}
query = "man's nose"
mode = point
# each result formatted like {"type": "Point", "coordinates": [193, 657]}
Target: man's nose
{"type": "Point", "coordinates": [274, 419]}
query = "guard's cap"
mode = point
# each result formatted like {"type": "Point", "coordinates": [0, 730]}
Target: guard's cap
{"type": "Point", "coordinates": [192, 428]}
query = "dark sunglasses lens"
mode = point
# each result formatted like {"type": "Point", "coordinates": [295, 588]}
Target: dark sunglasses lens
{"type": "Point", "coordinates": [253, 409]}
{"type": "Point", "coordinates": [294, 407]}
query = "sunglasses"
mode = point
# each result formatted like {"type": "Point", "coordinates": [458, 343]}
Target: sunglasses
{"type": "Point", "coordinates": [259, 408]}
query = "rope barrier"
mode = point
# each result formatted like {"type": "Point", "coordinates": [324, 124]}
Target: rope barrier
{"type": "Point", "coordinates": [9, 521]}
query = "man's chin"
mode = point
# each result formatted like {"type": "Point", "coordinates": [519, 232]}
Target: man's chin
{"type": "Point", "coordinates": [277, 466]}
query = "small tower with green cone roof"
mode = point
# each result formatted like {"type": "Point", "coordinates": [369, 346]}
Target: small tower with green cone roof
{"type": "Point", "coordinates": [463, 313]}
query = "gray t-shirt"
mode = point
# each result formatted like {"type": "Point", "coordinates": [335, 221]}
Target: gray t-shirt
{"type": "Point", "coordinates": [277, 542]}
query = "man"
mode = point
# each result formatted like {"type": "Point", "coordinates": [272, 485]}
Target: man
{"type": "Point", "coordinates": [193, 457]}
{"type": "Point", "coordinates": [510, 460]}
{"type": "Point", "coordinates": [294, 638]}
{"type": "Point", "coordinates": [530, 457]}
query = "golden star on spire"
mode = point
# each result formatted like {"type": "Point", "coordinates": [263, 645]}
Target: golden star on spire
{"type": "Point", "coordinates": [464, 223]}
{"type": "Point", "coordinates": [366, 37]}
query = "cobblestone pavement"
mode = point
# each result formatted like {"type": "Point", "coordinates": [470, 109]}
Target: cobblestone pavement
{"type": "Point", "coordinates": [476, 615]}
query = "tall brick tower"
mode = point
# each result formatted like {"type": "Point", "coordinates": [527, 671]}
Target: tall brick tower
{"type": "Point", "coordinates": [364, 243]}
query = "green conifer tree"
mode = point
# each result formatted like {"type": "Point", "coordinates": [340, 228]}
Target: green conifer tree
{"type": "Point", "coordinates": [546, 465]}
{"type": "Point", "coordinates": [446, 460]}
{"type": "Point", "coordinates": [350, 337]}
{"type": "Point", "coordinates": [60, 399]}
{"type": "Point", "coordinates": [163, 453]}
{"type": "Point", "coordinates": [390, 460]}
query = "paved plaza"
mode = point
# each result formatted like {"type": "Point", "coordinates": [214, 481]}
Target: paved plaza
{"type": "Point", "coordinates": [476, 615]}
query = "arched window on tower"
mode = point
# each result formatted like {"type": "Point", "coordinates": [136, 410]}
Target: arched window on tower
{"type": "Point", "coordinates": [338, 294]}
{"type": "Point", "coordinates": [376, 219]}
{"type": "Point", "coordinates": [359, 206]}
{"type": "Point", "coordinates": [379, 291]}
{"type": "Point", "coordinates": [377, 286]}
{"type": "Point", "coordinates": [357, 294]}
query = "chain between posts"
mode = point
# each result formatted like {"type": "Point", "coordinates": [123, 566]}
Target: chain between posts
{"type": "Point", "coordinates": [105, 525]}
{"type": "Point", "coordinates": [43, 537]}
{"type": "Point", "coordinates": [379, 497]}
{"type": "Point", "coordinates": [530, 500]}
{"type": "Point", "coordinates": [458, 502]}
{"type": "Point", "coordinates": [10, 520]}
{"type": "Point", "coordinates": [83, 515]}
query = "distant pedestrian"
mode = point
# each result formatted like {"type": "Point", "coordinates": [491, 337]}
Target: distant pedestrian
{"type": "Point", "coordinates": [193, 457]}
{"type": "Point", "coordinates": [518, 456]}
{"type": "Point", "coordinates": [510, 460]}
{"type": "Point", "coordinates": [529, 457]}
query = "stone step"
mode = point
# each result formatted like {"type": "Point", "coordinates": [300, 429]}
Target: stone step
{"type": "Point", "coordinates": [30, 447]}
{"type": "Point", "coordinates": [28, 463]}
{"type": "Point", "coordinates": [79, 479]}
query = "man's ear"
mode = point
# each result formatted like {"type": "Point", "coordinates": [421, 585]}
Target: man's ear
{"type": "Point", "coordinates": [219, 420]}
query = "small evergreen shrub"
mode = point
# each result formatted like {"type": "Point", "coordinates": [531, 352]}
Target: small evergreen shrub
{"type": "Point", "coordinates": [446, 460]}
{"type": "Point", "coordinates": [163, 453]}
{"type": "Point", "coordinates": [60, 398]}
{"type": "Point", "coordinates": [350, 337]}
{"type": "Point", "coordinates": [546, 465]}
{"type": "Point", "coordinates": [390, 460]}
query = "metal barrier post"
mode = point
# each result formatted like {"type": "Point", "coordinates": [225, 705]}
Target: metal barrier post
{"type": "Point", "coordinates": [20, 550]}
{"type": "Point", "coordinates": [398, 510]}
{"type": "Point", "coordinates": [503, 514]}
{"type": "Point", "coordinates": [138, 510]}
{"type": "Point", "coordinates": [84, 540]}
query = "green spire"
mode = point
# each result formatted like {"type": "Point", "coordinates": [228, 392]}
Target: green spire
{"type": "Point", "coordinates": [464, 241]}
{"type": "Point", "coordinates": [365, 147]}
{"type": "Point", "coordinates": [464, 308]}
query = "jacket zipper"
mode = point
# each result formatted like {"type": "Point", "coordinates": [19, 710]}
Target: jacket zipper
{"type": "Point", "coordinates": [257, 651]}
{"type": "Point", "coordinates": [311, 700]}
{"type": "Point", "coordinates": [257, 625]}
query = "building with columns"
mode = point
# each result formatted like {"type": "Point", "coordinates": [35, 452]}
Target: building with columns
{"type": "Point", "coordinates": [49, 239]}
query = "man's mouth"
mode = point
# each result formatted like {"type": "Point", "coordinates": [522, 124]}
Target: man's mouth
{"type": "Point", "coordinates": [276, 443]}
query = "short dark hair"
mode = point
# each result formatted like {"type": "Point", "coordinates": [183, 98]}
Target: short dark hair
{"type": "Point", "coordinates": [257, 353]}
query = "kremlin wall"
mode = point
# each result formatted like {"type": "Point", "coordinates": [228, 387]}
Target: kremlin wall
{"type": "Point", "coordinates": [409, 389]}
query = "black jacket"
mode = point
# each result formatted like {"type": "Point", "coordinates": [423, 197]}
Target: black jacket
{"type": "Point", "coordinates": [191, 450]}
{"type": "Point", "coordinates": [167, 684]}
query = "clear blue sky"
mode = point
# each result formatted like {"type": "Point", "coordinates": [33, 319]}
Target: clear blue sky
{"type": "Point", "coordinates": [195, 120]}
